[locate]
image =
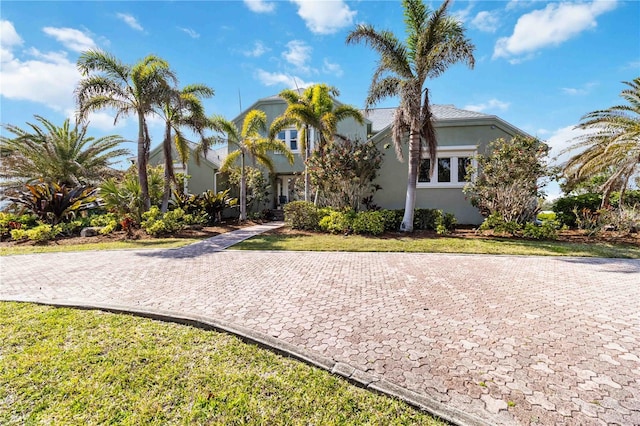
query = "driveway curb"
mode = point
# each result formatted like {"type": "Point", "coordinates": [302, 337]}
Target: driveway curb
{"type": "Point", "coordinates": [351, 374]}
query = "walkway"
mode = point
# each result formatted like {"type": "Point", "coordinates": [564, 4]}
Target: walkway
{"type": "Point", "coordinates": [479, 339]}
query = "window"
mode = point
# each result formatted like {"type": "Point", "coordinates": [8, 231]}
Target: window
{"type": "Point", "coordinates": [444, 169]}
{"type": "Point", "coordinates": [290, 138]}
{"type": "Point", "coordinates": [451, 168]}
{"type": "Point", "coordinates": [423, 173]}
{"type": "Point", "coordinates": [464, 164]}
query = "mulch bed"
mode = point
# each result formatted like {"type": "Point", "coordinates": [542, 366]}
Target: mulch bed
{"type": "Point", "coordinates": [570, 236]}
{"type": "Point", "coordinates": [191, 232]}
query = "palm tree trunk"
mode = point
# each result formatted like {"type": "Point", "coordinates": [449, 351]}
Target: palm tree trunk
{"type": "Point", "coordinates": [243, 191]}
{"type": "Point", "coordinates": [412, 180]}
{"type": "Point", "coordinates": [306, 167]}
{"type": "Point", "coordinates": [168, 168]}
{"type": "Point", "coordinates": [142, 162]}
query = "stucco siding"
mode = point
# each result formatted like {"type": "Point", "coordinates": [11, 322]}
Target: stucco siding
{"type": "Point", "coordinates": [392, 176]}
{"type": "Point", "coordinates": [201, 176]}
{"type": "Point", "coordinates": [274, 108]}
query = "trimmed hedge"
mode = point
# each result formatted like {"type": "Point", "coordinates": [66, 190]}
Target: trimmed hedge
{"type": "Point", "coordinates": [305, 215]}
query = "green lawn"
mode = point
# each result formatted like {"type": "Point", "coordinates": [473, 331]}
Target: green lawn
{"type": "Point", "coordinates": [74, 367]}
{"type": "Point", "coordinates": [326, 242]}
{"type": "Point", "coordinates": [160, 243]}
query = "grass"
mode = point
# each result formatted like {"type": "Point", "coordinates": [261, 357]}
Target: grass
{"type": "Point", "coordinates": [159, 243]}
{"type": "Point", "coordinates": [327, 242]}
{"type": "Point", "coordinates": [74, 367]}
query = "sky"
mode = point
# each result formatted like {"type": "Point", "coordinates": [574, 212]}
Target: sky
{"type": "Point", "coordinates": [540, 65]}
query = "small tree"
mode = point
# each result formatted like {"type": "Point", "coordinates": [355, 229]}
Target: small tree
{"type": "Point", "coordinates": [257, 186]}
{"type": "Point", "coordinates": [509, 179]}
{"type": "Point", "coordinates": [344, 173]}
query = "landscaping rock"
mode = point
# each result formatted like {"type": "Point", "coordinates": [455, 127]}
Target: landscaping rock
{"type": "Point", "coordinates": [90, 231]}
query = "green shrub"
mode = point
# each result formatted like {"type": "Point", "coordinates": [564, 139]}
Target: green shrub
{"type": "Point", "coordinates": [631, 198]}
{"type": "Point", "coordinates": [371, 223]}
{"type": "Point", "coordinates": [546, 216]}
{"type": "Point", "coordinates": [496, 222]}
{"type": "Point", "coordinates": [10, 221]}
{"type": "Point", "coordinates": [566, 207]}
{"type": "Point", "coordinates": [444, 222]}
{"type": "Point", "coordinates": [548, 230]}
{"type": "Point", "coordinates": [424, 219]}
{"type": "Point", "coordinates": [103, 219]}
{"type": "Point", "coordinates": [155, 223]}
{"type": "Point", "coordinates": [337, 222]}
{"type": "Point", "coordinates": [301, 215]}
{"type": "Point", "coordinates": [39, 233]}
{"type": "Point", "coordinates": [392, 219]}
{"type": "Point", "coordinates": [75, 226]}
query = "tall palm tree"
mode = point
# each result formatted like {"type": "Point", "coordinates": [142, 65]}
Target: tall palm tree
{"type": "Point", "coordinates": [613, 144]}
{"type": "Point", "coordinates": [315, 110]}
{"type": "Point", "coordinates": [435, 41]}
{"type": "Point", "coordinates": [127, 89]}
{"type": "Point", "coordinates": [251, 145]}
{"type": "Point", "coordinates": [64, 155]}
{"type": "Point", "coordinates": [183, 109]}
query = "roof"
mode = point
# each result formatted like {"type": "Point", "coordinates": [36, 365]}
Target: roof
{"type": "Point", "coordinates": [383, 117]}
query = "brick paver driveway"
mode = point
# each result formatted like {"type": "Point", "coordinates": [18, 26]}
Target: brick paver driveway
{"type": "Point", "coordinates": [510, 340]}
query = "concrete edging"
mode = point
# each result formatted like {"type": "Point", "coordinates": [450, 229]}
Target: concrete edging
{"type": "Point", "coordinates": [358, 377]}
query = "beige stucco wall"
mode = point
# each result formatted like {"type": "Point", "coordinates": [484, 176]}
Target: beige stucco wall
{"type": "Point", "coordinates": [393, 174]}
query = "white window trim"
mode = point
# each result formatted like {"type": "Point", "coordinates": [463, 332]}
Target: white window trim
{"type": "Point", "coordinates": [452, 152]}
{"type": "Point", "coordinates": [287, 140]}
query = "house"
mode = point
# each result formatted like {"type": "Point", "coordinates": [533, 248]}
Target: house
{"type": "Point", "coordinates": [461, 135]}
{"type": "Point", "coordinates": [286, 176]}
{"type": "Point", "coordinates": [203, 172]}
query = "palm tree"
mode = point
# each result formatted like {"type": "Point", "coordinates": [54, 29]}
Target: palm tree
{"type": "Point", "coordinates": [612, 145]}
{"type": "Point", "coordinates": [64, 155]}
{"type": "Point", "coordinates": [250, 143]}
{"type": "Point", "coordinates": [129, 90]}
{"type": "Point", "coordinates": [315, 110]}
{"type": "Point", "coordinates": [435, 41]}
{"type": "Point", "coordinates": [182, 110]}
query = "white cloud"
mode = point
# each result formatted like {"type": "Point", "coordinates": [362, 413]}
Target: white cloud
{"type": "Point", "coordinates": [485, 21]}
{"type": "Point", "coordinates": [280, 79]}
{"type": "Point", "coordinates": [8, 35]}
{"type": "Point", "coordinates": [325, 17]}
{"type": "Point", "coordinates": [331, 68]}
{"type": "Point", "coordinates": [562, 139]}
{"type": "Point", "coordinates": [514, 4]}
{"type": "Point", "coordinates": [298, 53]}
{"type": "Point", "coordinates": [462, 15]}
{"type": "Point", "coordinates": [258, 50]}
{"type": "Point", "coordinates": [71, 38]}
{"type": "Point", "coordinates": [99, 120]}
{"type": "Point", "coordinates": [46, 78]}
{"type": "Point", "coordinates": [575, 91]}
{"type": "Point", "coordinates": [130, 21]}
{"type": "Point", "coordinates": [260, 6]}
{"type": "Point", "coordinates": [491, 104]}
{"type": "Point", "coordinates": [551, 26]}
{"type": "Point", "coordinates": [190, 32]}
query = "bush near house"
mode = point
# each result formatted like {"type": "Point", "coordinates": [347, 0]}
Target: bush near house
{"type": "Point", "coordinates": [566, 207]}
{"type": "Point", "coordinates": [305, 215]}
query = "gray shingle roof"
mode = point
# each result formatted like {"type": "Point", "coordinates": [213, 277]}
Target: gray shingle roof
{"type": "Point", "coordinates": [382, 117]}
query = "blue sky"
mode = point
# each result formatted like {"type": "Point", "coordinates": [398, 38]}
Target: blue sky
{"type": "Point", "coordinates": [539, 65]}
